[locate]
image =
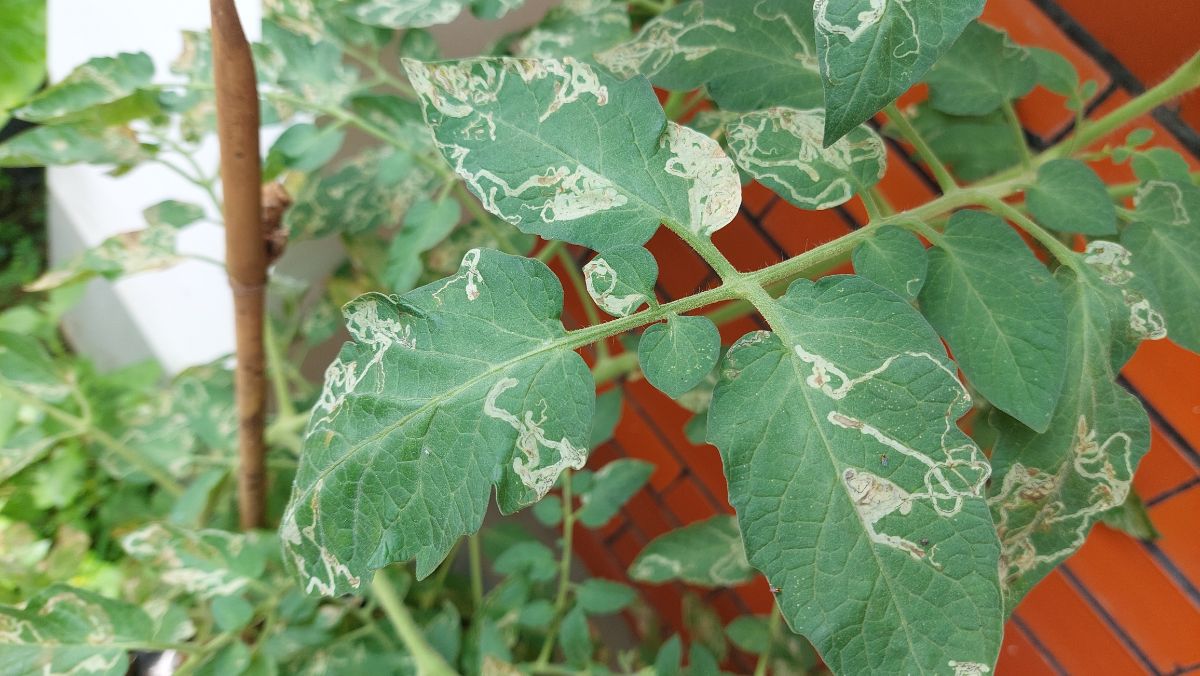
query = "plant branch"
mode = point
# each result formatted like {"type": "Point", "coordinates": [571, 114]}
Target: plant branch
{"type": "Point", "coordinates": [564, 569]}
{"type": "Point", "coordinates": [245, 246]}
{"type": "Point", "coordinates": [429, 662]}
{"type": "Point", "coordinates": [773, 627]}
{"type": "Point", "coordinates": [944, 180]}
{"type": "Point", "coordinates": [475, 559]}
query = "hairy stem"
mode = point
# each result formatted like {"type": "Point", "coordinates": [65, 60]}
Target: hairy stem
{"type": "Point", "coordinates": [1018, 132]}
{"type": "Point", "coordinates": [944, 180]}
{"type": "Point", "coordinates": [429, 662]}
{"type": "Point", "coordinates": [773, 627]}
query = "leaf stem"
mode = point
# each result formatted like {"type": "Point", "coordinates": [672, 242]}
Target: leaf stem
{"type": "Point", "coordinates": [944, 180]}
{"type": "Point", "coordinates": [1184, 79]}
{"type": "Point", "coordinates": [475, 558]}
{"type": "Point", "coordinates": [1059, 250]}
{"type": "Point", "coordinates": [564, 570]}
{"type": "Point", "coordinates": [428, 661]}
{"type": "Point", "coordinates": [773, 627]}
{"type": "Point", "coordinates": [276, 366]}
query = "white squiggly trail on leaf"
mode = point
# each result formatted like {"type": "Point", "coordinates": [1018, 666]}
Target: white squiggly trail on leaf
{"type": "Point", "coordinates": [292, 536]}
{"type": "Point", "coordinates": [407, 13]}
{"type": "Point", "coordinates": [1174, 197]}
{"type": "Point", "coordinates": [659, 42]}
{"type": "Point", "coordinates": [470, 262]}
{"type": "Point", "coordinates": [714, 190]}
{"type": "Point", "coordinates": [786, 144]}
{"type": "Point", "coordinates": [960, 473]}
{"type": "Point", "coordinates": [598, 272]}
{"type": "Point", "coordinates": [158, 545]}
{"type": "Point", "coordinates": [530, 440]}
{"type": "Point", "coordinates": [867, 20]}
{"type": "Point", "coordinates": [1024, 487]}
{"type": "Point", "coordinates": [1111, 261]}
{"type": "Point", "coordinates": [968, 668]}
{"type": "Point", "coordinates": [461, 89]}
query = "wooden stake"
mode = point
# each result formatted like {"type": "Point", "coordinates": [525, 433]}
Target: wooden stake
{"type": "Point", "coordinates": [245, 246]}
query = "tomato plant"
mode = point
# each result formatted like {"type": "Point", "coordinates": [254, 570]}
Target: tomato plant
{"type": "Point", "coordinates": [893, 539]}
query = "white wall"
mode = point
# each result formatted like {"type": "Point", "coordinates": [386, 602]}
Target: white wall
{"type": "Point", "coordinates": [181, 316]}
{"type": "Point", "coordinates": [184, 315]}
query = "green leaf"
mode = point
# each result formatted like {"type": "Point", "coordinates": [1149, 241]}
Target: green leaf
{"type": "Point", "coordinates": [1136, 316]}
{"type": "Point", "coordinates": [26, 366]}
{"type": "Point", "coordinates": [1050, 488]}
{"type": "Point", "coordinates": [608, 414]}
{"type": "Point", "coordinates": [703, 625]}
{"type": "Point", "coordinates": [1132, 518]}
{"type": "Point", "coordinates": [366, 193]}
{"type": "Point", "coordinates": [870, 52]}
{"type": "Point", "coordinates": [548, 510]}
{"type": "Point", "coordinates": [99, 82]}
{"type": "Point", "coordinates": [1165, 243]}
{"type": "Point", "coordinates": [69, 144]}
{"type": "Point", "coordinates": [493, 9]}
{"type": "Point", "coordinates": [621, 280]}
{"type": "Point", "coordinates": [701, 661]}
{"type": "Point", "coordinates": [1054, 71]}
{"type": "Point", "coordinates": [395, 468]}
{"type": "Point", "coordinates": [303, 147]}
{"type": "Point", "coordinates": [173, 214]}
{"type": "Point", "coordinates": [781, 147]}
{"type": "Point", "coordinates": [22, 51]}
{"type": "Point", "coordinates": [426, 224]}
{"type": "Point", "coordinates": [534, 560]}
{"type": "Point", "coordinates": [707, 553]}
{"type": "Point", "coordinates": [232, 613]}
{"type": "Point", "coordinates": [577, 29]}
{"type": "Point", "coordinates": [748, 54]}
{"type": "Point", "coordinates": [575, 638]}
{"type": "Point", "coordinates": [675, 356]}
{"type": "Point", "coordinates": [1070, 197]}
{"type": "Point", "coordinates": [972, 147]}
{"type": "Point", "coordinates": [982, 71]}
{"type": "Point", "coordinates": [604, 597]}
{"type": "Point", "coordinates": [998, 309]}
{"type": "Point", "coordinates": [311, 69]}
{"type": "Point", "coordinates": [1161, 163]}
{"type": "Point", "coordinates": [127, 253]}
{"type": "Point", "coordinates": [750, 634]}
{"type": "Point", "coordinates": [855, 458]}
{"type": "Point", "coordinates": [667, 662]}
{"type": "Point", "coordinates": [66, 630]}
{"type": "Point", "coordinates": [207, 563]}
{"type": "Point", "coordinates": [895, 259]}
{"type": "Point", "coordinates": [538, 614]}
{"type": "Point", "coordinates": [444, 632]}
{"type": "Point", "coordinates": [565, 151]}
{"type": "Point", "coordinates": [405, 13]}
{"type": "Point", "coordinates": [611, 488]}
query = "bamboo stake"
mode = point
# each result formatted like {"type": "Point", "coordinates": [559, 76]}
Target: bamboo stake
{"type": "Point", "coordinates": [245, 247]}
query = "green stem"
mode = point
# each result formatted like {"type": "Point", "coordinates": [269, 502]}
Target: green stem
{"type": "Point", "coordinates": [611, 368]}
{"type": "Point", "coordinates": [549, 250]}
{"type": "Point", "coordinates": [1184, 79]}
{"type": "Point", "coordinates": [1059, 250]}
{"type": "Point", "coordinates": [773, 627]}
{"type": "Point", "coordinates": [476, 562]}
{"type": "Point", "coordinates": [277, 372]}
{"type": "Point", "coordinates": [1018, 132]}
{"type": "Point", "coordinates": [429, 662]}
{"type": "Point", "coordinates": [944, 180]}
{"type": "Point", "coordinates": [564, 570]}
{"type": "Point", "coordinates": [85, 427]}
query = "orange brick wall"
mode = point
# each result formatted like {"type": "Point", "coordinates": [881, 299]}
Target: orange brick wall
{"type": "Point", "coordinates": [1119, 606]}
